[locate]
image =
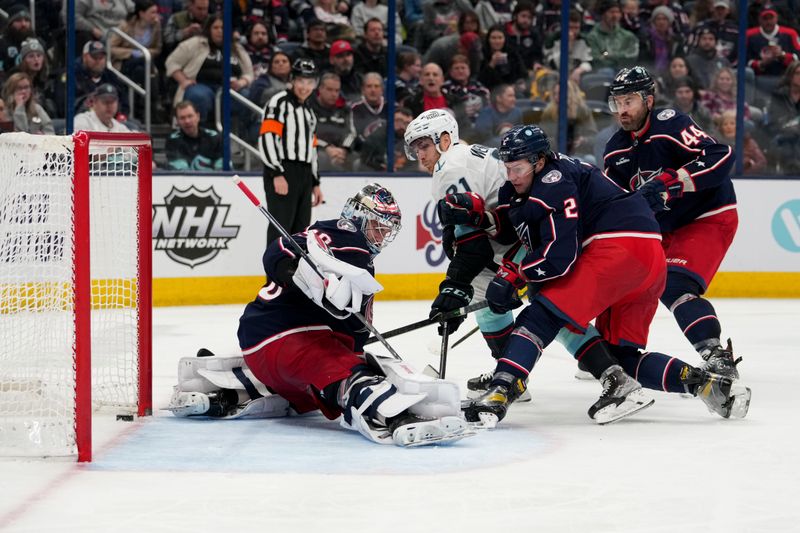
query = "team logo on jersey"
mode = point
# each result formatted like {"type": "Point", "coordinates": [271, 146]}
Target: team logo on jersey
{"type": "Point", "coordinates": [641, 177]}
{"type": "Point", "coordinates": [190, 225]}
{"type": "Point", "coordinates": [551, 177]}
{"type": "Point", "coordinates": [346, 225]}
{"type": "Point", "coordinates": [666, 114]}
{"type": "Point", "coordinates": [429, 235]}
{"type": "Point", "coordinates": [622, 161]}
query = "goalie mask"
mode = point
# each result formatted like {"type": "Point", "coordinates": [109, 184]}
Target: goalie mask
{"type": "Point", "coordinates": [375, 212]}
{"type": "Point", "coordinates": [430, 125]}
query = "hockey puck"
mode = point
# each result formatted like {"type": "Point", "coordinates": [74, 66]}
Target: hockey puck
{"type": "Point", "coordinates": [125, 418]}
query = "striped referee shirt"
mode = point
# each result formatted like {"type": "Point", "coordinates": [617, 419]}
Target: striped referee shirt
{"type": "Point", "coordinates": [288, 133]}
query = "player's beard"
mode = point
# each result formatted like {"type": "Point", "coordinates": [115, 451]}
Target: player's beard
{"type": "Point", "coordinates": [634, 123]}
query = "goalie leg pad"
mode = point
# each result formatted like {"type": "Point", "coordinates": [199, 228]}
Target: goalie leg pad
{"type": "Point", "coordinates": [207, 374]}
{"type": "Point", "coordinates": [441, 398]}
{"type": "Point", "coordinates": [416, 431]}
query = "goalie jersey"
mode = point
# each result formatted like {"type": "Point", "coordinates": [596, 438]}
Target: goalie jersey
{"type": "Point", "coordinates": [673, 140]}
{"type": "Point", "coordinates": [570, 204]}
{"type": "Point", "coordinates": [280, 310]}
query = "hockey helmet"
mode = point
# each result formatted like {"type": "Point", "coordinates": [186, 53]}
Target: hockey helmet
{"type": "Point", "coordinates": [431, 124]}
{"type": "Point", "coordinates": [304, 68]}
{"type": "Point", "coordinates": [375, 213]}
{"type": "Point", "coordinates": [524, 142]}
{"type": "Point", "coordinates": [631, 80]}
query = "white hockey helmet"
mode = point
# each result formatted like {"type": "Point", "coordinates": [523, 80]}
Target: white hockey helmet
{"type": "Point", "coordinates": [432, 124]}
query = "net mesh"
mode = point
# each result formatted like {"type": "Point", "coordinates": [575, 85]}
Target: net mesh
{"type": "Point", "coordinates": [37, 337]}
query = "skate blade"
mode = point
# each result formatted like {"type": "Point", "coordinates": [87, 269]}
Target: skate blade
{"type": "Point", "coordinates": [635, 402]}
{"type": "Point", "coordinates": [583, 375]}
{"type": "Point", "coordinates": [439, 431]}
{"type": "Point", "coordinates": [741, 401]}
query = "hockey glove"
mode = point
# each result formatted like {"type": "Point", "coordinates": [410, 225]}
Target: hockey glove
{"type": "Point", "coordinates": [502, 290]}
{"type": "Point", "coordinates": [449, 241]}
{"type": "Point", "coordinates": [661, 189]}
{"type": "Point", "coordinates": [309, 282]}
{"type": "Point", "coordinates": [452, 295]}
{"type": "Point", "coordinates": [462, 208]}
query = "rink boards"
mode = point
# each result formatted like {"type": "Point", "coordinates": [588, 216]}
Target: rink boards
{"type": "Point", "coordinates": [208, 239]}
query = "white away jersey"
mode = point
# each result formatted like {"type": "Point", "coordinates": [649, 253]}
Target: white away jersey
{"type": "Point", "coordinates": [469, 168]}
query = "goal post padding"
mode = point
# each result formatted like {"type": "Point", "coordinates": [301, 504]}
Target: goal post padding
{"type": "Point", "coordinates": [75, 287]}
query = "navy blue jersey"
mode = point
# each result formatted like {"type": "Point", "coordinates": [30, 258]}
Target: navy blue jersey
{"type": "Point", "coordinates": [281, 309]}
{"type": "Point", "coordinates": [570, 204]}
{"type": "Point", "coordinates": [673, 140]}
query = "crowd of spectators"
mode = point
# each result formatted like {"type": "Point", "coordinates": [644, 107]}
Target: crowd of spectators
{"type": "Point", "coordinates": [494, 63]}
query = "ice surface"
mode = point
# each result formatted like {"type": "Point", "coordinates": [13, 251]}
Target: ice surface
{"type": "Point", "coordinates": [548, 467]}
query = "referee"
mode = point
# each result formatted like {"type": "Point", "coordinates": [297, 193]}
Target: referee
{"type": "Point", "coordinates": [288, 148]}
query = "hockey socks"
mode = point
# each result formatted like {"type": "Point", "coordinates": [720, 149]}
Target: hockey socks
{"type": "Point", "coordinates": [698, 321]}
{"type": "Point", "coordinates": [654, 370]}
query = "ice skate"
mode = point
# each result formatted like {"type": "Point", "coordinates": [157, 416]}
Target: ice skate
{"type": "Point", "coordinates": [622, 396]}
{"type": "Point", "coordinates": [478, 385]}
{"type": "Point", "coordinates": [491, 407]}
{"type": "Point", "coordinates": [412, 430]}
{"type": "Point", "coordinates": [720, 394]}
{"type": "Point", "coordinates": [721, 361]}
{"type": "Point", "coordinates": [582, 373]}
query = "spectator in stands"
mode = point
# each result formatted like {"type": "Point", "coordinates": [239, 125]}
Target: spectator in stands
{"type": "Point", "coordinates": [368, 10]}
{"type": "Point", "coordinates": [276, 79]}
{"type": "Point", "coordinates": [370, 53]}
{"type": "Point", "coordinates": [784, 8]}
{"type": "Point", "coordinates": [431, 96]}
{"type": "Point", "coordinates": [752, 156]}
{"type": "Point", "coordinates": [724, 28]}
{"type": "Point", "coordinates": [166, 8]}
{"type": "Point", "coordinates": [335, 130]}
{"type": "Point", "coordinates": [581, 127]}
{"type": "Point", "coordinates": [185, 24]}
{"type": "Point", "coordinates": [500, 116]}
{"type": "Point", "coordinates": [703, 60]}
{"type": "Point", "coordinates": [27, 114]}
{"type": "Point", "coordinates": [686, 99]}
{"type": "Point", "coordinates": [103, 108]}
{"type": "Point", "coordinates": [370, 110]}
{"type": "Point", "coordinates": [467, 95]}
{"type": "Point", "coordinates": [665, 84]}
{"type": "Point", "coordinates": [197, 65]}
{"type": "Point", "coordinates": [409, 67]}
{"type": "Point", "coordinates": [548, 18]}
{"type": "Point", "coordinates": [659, 42]}
{"type": "Point", "coordinates": [316, 47]}
{"type": "Point", "coordinates": [771, 47]}
{"type": "Point", "coordinates": [333, 14]}
{"type": "Point", "coordinates": [680, 24]}
{"type": "Point", "coordinates": [90, 73]}
{"type": "Point", "coordinates": [501, 62]}
{"type": "Point", "coordinates": [465, 41]}
{"type": "Point", "coordinates": [143, 25]}
{"type": "Point", "coordinates": [783, 115]}
{"type": "Point", "coordinates": [341, 59]}
{"type": "Point", "coordinates": [440, 18]}
{"type": "Point", "coordinates": [258, 47]}
{"type": "Point", "coordinates": [580, 55]}
{"type": "Point", "coordinates": [18, 29]}
{"type": "Point", "coordinates": [631, 18]}
{"type": "Point", "coordinates": [192, 147]}
{"type": "Point", "coordinates": [93, 19]}
{"type": "Point", "coordinates": [413, 19]}
{"type": "Point", "coordinates": [613, 47]}
{"type": "Point", "coordinates": [33, 62]}
{"type": "Point", "coordinates": [275, 14]}
{"type": "Point", "coordinates": [373, 150]}
{"type": "Point", "coordinates": [522, 37]}
{"type": "Point", "coordinates": [721, 95]}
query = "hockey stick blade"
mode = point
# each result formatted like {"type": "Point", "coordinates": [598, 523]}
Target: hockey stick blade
{"type": "Point", "coordinates": [433, 320]}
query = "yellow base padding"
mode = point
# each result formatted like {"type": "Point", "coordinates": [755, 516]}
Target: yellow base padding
{"type": "Point", "coordinates": [242, 289]}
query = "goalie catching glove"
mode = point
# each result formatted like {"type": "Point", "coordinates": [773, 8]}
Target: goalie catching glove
{"type": "Point", "coordinates": [666, 186]}
{"type": "Point", "coordinates": [502, 290]}
{"type": "Point", "coordinates": [463, 208]}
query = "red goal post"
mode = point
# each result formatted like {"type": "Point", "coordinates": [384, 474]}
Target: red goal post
{"type": "Point", "coordinates": [75, 287]}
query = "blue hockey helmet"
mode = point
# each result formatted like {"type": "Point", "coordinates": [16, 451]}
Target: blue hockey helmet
{"type": "Point", "coordinates": [375, 212]}
{"type": "Point", "coordinates": [524, 142]}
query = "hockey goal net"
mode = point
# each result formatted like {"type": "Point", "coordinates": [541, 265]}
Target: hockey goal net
{"type": "Point", "coordinates": [75, 295]}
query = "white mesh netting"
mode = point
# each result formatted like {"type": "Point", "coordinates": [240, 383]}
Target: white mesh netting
{"type": "Point", "coordinates": [37, 373]}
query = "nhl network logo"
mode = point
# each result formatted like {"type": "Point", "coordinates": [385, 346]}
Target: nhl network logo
{"type": "Point", "coordinates": [190, 226]}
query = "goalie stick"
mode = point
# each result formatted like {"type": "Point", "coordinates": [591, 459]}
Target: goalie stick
{"type": "Point", "coordinates": [296, 247]}
{"type": "Point", "coordinates": [430, 321]}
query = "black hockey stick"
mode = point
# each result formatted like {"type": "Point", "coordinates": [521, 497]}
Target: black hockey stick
{"type": "Point", "coordinates": [443, 352]}
{"type": "Point", "coordinates": [466, 336]}
{"type": "Point", "coordinates": [254, 199]}
{"type": "Point", "coordinates": [433, 320]}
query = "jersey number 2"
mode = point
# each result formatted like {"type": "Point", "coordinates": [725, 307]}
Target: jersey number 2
{"type": "Point", "coordinates": [570, 208]}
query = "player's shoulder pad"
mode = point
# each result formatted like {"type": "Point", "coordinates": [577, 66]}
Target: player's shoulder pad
{"type": "Point", "coordinates": [669, 119]}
